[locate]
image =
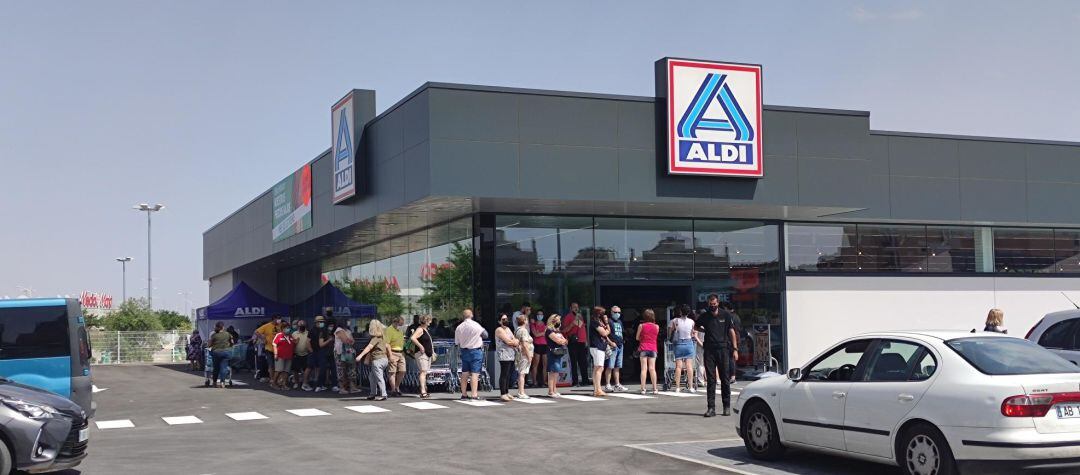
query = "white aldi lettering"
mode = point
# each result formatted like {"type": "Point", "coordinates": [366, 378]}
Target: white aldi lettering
{"type": "Point", "coordinates": [713, 118]}
{"type": "Point", "coordinates": [344, 149]}
{"type": "Point", "coordinates": [250, 312]}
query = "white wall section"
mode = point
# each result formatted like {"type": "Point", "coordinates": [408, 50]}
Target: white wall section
{"type": "Point", "coordinates": [821, 310]}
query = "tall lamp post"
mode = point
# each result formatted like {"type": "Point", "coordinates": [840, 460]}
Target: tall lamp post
{"type": "Point", "coordinates": [149, 275]}
{"type": "Point", "coordinates": [123, 266]}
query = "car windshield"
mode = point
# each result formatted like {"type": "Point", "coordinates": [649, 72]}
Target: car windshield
{"type": "Point", "coordinates": [1003, 356]}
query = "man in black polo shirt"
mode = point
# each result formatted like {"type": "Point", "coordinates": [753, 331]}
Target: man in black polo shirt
{"type": "Point", "coordinates": [720, 345]}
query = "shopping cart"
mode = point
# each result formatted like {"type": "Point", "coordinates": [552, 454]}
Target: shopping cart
{"type": "Point", "coordinates": [208, 370]}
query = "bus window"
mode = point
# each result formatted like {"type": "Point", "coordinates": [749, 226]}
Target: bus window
{"type": "Point", "coordinates": [84, 351]}
{"type": "Point", "coordinates": [33, 332]}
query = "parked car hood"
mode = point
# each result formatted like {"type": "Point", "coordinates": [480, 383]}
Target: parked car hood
{"type": "Point", "coordinates": [11, 389]}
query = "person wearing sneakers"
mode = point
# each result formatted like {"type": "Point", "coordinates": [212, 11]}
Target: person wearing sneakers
{"type": "Point", "coordinates": [682, 333]}
{"type": "Point", "coordinates": [283, 354]}
{"type": "Point", "coordinates": [396, 339]}
{"type": "Point", "coordinates": [505, 350]}
{"type": "Point", "coordinates": [301, 365]}
{"type": "Point", "coordinates": [524, 353]}
{"type": "Point", "coordinates": [469, 338]}
{"type": "Point", "coordinates": [615, 361]}
{"type": "Point", "coordinates": [646, 337]}
{"type": "Point", "coordinates": [598, 347]}
{"type": "Point", "coordinates": [720, 346]}
{"type": "Point", "coordinates": [556, 350]}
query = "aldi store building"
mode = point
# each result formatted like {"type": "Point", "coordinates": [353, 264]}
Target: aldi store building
{"type": "Point", "coordinates": [805, 219]}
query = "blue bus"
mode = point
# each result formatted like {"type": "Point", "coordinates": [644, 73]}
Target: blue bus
{"type": "Point", "coordinates": [43, 343]}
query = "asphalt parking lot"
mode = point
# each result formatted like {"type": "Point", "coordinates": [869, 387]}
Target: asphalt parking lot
{"type": "Point", "coordinates": [161, 420]}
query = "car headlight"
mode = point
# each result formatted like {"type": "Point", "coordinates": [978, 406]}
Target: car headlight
{"type": "Point", "coordinates": [29, 409]}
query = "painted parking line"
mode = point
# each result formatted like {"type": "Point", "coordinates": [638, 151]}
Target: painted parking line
{"type": "Point", "coordinates": [534, 400]}
{"type": "Point", "coordinates": [117, 424]}
{"type": "Point", "coordinates": [367, 409]}
{"type": "Point", "coordinates": [181, 420]}
{"type": "Point", "coordinates": [675, 394]}
{"type": "Point", "coordinates": [307, 412]}
{"type": "Point", "coordinates": [578, 397]}
{"type": "Point", "coordinates": [246, 416]}
{"type": "Point", "coordinates": [630, 396]}
{"type": "Point", "coordinates": [480, 403]}
{"type": "Point", "coordinates": [423, 406]}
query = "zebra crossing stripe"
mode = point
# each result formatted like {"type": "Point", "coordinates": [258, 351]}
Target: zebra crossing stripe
{"type": "Point", "coordinates": [369, 409]}
{"type": "Point", "coordinates": [578, 397]}
{"type": "Point", "coordinates": [675, 394]}
{"type": "Point", "coordinates": [246, 416]}
{"type": "Point", "coordinates": [480, 403]}
{"type": "Point", "coordinates": [307, 412]}
{"type": "Point", "coordinates": [631, 396]}
{"type": "Point", "coordinates": [423, 406]}
{"type": "Point", "coordinates": [117, 424]}
{"type": "Point", "coordinates": [535, 400]}
{"type": "Point", "coordinates": [181, 420]}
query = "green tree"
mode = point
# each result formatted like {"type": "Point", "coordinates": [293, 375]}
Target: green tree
{"type": "Point", "coordinates": [171, 320]}
{"type": "Point", "coordinates": [133, 315]}
{"type": "Point", "coordinates": [386, 297]}
{"type": "Point", "coordinates": [448, 289]}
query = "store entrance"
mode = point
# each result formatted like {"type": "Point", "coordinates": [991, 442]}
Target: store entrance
{"type": "Point", "coordinates": [633, 298]}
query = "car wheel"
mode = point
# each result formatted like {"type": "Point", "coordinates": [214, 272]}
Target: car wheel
{"type": "Point", "coordinates": [7, 466]}
{"type": "Point", "coordinates": [923, 451]}
{"type": "Point", "coordinates": [760, 436]}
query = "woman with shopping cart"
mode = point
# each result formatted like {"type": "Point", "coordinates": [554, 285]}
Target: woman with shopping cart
{"type": "Point", "coordinates": [221, 343]}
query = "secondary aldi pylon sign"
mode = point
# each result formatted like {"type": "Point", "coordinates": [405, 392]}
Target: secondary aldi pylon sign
{"type": "Point", "coordinates": [713, 115]}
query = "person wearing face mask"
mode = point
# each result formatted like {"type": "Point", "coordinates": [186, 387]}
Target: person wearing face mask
{"type": "Point", "coordinates": [538, 368]}
{"type": "Point", "coordinates": [505, 346]}
{"type": "Point", "coordinates": [720, 345]}
{"type": "Point", "coordinates": [301, 364]}
{"type": "Point", "coordinates": [322, 342]}
{"type": "Point", "coordinates": [283, 355]}
{"type": "Point", "coordinates": [615, 361]}
{"type": "Point", "coordinates": [264, 335]}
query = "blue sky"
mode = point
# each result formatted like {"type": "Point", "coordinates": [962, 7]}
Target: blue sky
{"type": "Point", "coordinates": [201, 105]}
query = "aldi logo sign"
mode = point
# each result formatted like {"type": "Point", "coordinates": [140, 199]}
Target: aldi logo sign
{"type": "Point", "coordinates": [713, 113]}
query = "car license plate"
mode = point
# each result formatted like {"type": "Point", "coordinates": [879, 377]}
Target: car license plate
{"type": "Point", "coordinates": [84, 434]}
{"type": "Point", "coordinates": [1067, 411]}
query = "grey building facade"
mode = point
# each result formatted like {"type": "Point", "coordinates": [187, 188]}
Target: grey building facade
{"type": "Point", "coordinates": [561, 196]}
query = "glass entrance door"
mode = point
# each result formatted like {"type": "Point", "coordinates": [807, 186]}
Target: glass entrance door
{"type": "Point", "coordinates": [633, 299]}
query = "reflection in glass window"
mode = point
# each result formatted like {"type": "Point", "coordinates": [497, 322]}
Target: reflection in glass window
{"type": "Point", "coordinates": [720, 246]}
{"type": "Point", "coordinates": [892, 248]}
{"type": "Point", "coordinates": [544, 260]}
{"type": "Point", "coordinates": [634, 248]}
{"type": "Point", "coordinates": [821, 247]}
{"type": "Point", "coordinates": [950, 249]}
{"type": "Point", "coordinates": [1023, 250]}
{"type": "Point", "coordinates": [1066, 250]}
{"type": "Point", "coordinates": [34, 332]}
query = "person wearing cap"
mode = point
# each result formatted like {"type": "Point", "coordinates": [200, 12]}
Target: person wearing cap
{"type": "Point", "coordinates": [615, 361]}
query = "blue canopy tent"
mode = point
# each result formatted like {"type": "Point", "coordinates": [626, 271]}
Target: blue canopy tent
{"type": "Point", "coordinates": [242, 307]}
{"type": "Point", "coordinates": [332, 298]}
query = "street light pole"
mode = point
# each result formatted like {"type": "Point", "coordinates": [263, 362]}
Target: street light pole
{"type": "Point", "coordinates": [149, 270]}
{"type": "Point", "coordinates": [123, 266]}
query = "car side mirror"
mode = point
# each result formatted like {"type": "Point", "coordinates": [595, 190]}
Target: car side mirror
{"type": "Point", "coordinates": [794, 374]}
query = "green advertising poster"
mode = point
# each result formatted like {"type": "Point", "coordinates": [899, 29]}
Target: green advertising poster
{"type": "Point", "coordinates": [292, 204]}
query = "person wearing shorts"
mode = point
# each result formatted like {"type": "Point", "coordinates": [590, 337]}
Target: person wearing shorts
{"type": "Point", "coordinates": [421, 339]}
{"type": "Point", "coordinates": [538, 367]}
{"type": "Point", "coordinates": [469, 337]}
{"type": "Point", "coordinates": [396, 367]}
{"type": "Point", "coordinates": [557, 344]}
{"type": "Point", "coordinates": [615, 360]}
{"type": "Point", "coordinates": [283, 355]}
{"type": "Point", "coordinates": [598, 346]}
{"type": "Point", "coordinates": [682, 332]}
{"type": "Point", "coordinates": [646, 336]}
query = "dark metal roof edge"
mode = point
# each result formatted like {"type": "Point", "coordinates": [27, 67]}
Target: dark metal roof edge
{"type": "Point", "coordinates": [928, 135]}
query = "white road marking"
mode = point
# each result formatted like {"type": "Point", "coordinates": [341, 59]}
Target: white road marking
{"type": "Point", "coordinates": [367, 409]}
{"type": "Point", "coordinates": [631, 396]}
{"type": "Point", "coordinates": [727, 468]}
{"type": "Point", "coordinates": [118, 424]}
{"type": "Point", "coordinates": [246, 416]}
{"type": "Point", "coordinates": [535, 400]}
{"type": "Point", "coordinates": [181, 420]}
{"type": "Point", "coordinates": [307, 412]}
{"type": "Point", "coordinates": [578, 397]}
{"type": "Point", "coordinates": [675, 394]}
{"type": "Point", "coordinates": [480, 403]}
{"type": "Point", "coordinates": [423, 406]}
{"type": "Point", "coordinates": [96, 389]}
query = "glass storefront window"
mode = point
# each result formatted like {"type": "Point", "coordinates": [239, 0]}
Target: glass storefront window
{"type": "Point", "coordinates": [1067, 250]}
{"type": "Point", "coordinates": [951, 249]}
{"type": "Point", "coordinates": [1018, 250]}
{"type": "Point", "coordinates": [647, 249]}
{"type": "Point", "coordinates": [822, 247]}
{"type": "Point", "coordinates": [542, 260]}
{"type": "Point", "coordinates": [890, 248]}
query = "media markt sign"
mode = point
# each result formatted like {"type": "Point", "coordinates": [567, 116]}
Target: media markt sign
{"type": "Point", "coordinates": [344, 149]}
{"type": "Point", "coordinates": [713, 117]}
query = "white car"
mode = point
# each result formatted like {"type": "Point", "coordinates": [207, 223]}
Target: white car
{"type": "Point", "coordinates": [1059, 332]}
{"type": "Point", "coordinates": [933, 402]}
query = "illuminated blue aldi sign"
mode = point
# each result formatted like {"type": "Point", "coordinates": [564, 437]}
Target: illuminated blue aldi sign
{"type": "Point", "coordinates": [714, 117]}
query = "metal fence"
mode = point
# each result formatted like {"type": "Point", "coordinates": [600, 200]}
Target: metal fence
{"type": "Point", "coordinates": [138, 347]}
